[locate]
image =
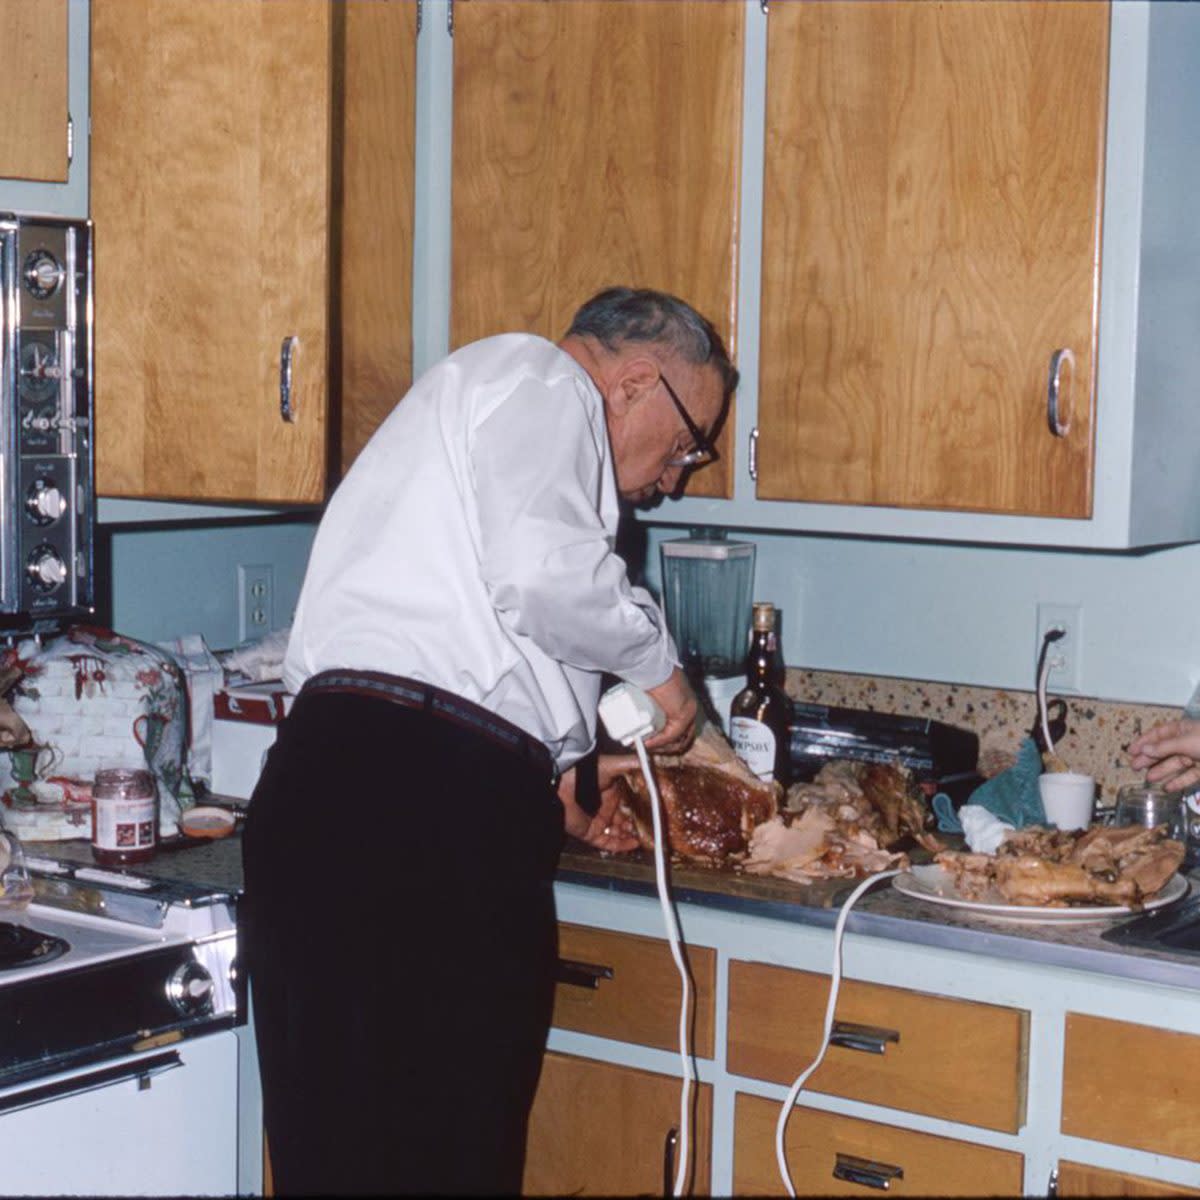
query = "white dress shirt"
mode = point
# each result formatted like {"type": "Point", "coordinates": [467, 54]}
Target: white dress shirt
{"type": "Point", "coordinates": [470, 546]}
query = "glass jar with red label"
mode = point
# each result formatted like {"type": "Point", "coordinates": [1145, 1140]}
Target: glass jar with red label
{"type": "Point", "coordinates": [124, 816]}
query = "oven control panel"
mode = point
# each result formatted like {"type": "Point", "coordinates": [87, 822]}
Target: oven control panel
{"type": "Point", "coordinates": [46, 402]}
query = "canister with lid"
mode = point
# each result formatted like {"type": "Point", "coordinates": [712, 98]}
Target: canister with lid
{"type": "Point", "coordinates": [124, 816]}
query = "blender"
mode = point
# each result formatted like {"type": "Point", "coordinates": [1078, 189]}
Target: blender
{"type": "Point", "coordinates": [708, 583]}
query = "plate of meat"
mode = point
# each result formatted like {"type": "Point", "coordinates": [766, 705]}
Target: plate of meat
{"type": "Point", "coordinates": [1042, 874]}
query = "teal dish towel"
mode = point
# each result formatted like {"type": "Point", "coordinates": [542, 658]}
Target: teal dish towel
{"type": "Point", "coordinates": [1012, 796]}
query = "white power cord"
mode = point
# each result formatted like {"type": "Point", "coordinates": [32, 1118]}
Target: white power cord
{"type": "Point", "coordinates": [1044, 668]}
{"type": "Point", "coordinates": [630, 715]}
{"type": "Point", "coordinates": [835, 981]}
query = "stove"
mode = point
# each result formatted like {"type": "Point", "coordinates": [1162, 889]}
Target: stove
{"type": "Point", "coordinates": [103, 962]}
{"type": "Point", "coordinates": [120, 1017]}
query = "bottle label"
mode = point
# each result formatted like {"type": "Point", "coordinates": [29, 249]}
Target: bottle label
{"type": "Point", "coordinates": [124, 824]}
{"type": "Point", "coordinates": [754, 744]}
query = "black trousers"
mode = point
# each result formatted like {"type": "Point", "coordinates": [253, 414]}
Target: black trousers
{"type": "Point", "coordinates": [398, 931]}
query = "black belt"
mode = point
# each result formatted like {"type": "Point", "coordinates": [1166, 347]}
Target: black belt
{"type": "Point", "coordinates": [412, 693]}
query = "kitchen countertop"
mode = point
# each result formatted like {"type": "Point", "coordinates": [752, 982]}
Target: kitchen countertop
{"type": "Point", "coordinates": [882, 912]}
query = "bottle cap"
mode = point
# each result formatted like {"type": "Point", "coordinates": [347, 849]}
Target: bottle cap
{"type": "Point", "coordinates": [764, 615]}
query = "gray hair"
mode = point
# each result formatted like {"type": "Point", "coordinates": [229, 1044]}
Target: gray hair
{"type": "Point", "coordinates": [621, 314]}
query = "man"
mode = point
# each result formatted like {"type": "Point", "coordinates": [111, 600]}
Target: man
{"type": "Point", "coordinates": [461, 604]}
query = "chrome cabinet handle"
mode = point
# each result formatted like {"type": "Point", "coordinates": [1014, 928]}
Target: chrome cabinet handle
{"type": "Point", "coordinates": [1059, 424]}
{"type": "Point", "coordinates": [287, 354]}
{"type": "Point", "coordinates": [581, 974]}
{"type": "Point", "coordinates": [670, 1142]}
{"type": "Point", "coordinates": [866, 1172]}
{"type": "Point", "coordinates": [754, 453]}
{"type": "Point", "coordinates": [869, 1039]}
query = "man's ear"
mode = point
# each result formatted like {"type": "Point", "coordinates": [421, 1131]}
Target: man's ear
{"type": "Point", "coordinates": [636, 378]}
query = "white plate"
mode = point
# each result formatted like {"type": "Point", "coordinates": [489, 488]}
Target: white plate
{"type": "Point", "coordinates": [934, 884]}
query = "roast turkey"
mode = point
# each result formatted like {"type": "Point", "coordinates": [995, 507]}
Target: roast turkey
{"type": "Point", "coordinates": [711, 800]}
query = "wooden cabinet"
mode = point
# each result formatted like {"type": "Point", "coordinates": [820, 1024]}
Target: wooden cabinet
{"type": "Point", "coordinates": [595, 142]}
{"type": "Point", "coordinates": [1077, 1179]}
{"type": "Point", "coordinates": [932, 205]}
{"type": "Point", "coordinates": [1160, 1115]}
{"type": "Point", "coordinates": [830, 1155]}
{"type": "Point", "coordinates": [625, 987]}
{"type": "Point", "coordinates": [894, 1047]}
{"type": "Point", "coordinates": [33, 90]}
{"type": "Point", "coordinates": [251, 191]}
{"type": "Point", "coordinates": [597, 1129]}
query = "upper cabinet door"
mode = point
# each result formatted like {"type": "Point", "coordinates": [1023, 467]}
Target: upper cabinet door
{"type": "Point", "coordinates": [211, 201]}
{"type": "Point", "coordinates": [596, 142]}
{"type": "Point", "coordinates": [932, 204]}
{"type": "Point", "coordinates": [375, 156]}
{"type": "Point", "coordinates": [33, 90]}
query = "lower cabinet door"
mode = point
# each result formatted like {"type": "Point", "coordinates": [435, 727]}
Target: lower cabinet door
{"type": "Point", "coordinates": [830, 1155]}
{"type": "Point", "coordinates": [1076, 1179]}
{"type": "Point", "coordinates": [601, 1130]}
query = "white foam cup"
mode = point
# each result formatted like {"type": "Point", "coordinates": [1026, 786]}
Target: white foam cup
{"type": "Point", "coordinates": [1067, 798]}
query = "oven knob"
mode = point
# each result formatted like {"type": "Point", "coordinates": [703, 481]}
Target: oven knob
{"type": "Point", "coordinates": [44, 502]}
{"type": "Point", "coordinates": [43, 274]}
{"type": "Point", "coordinates": [190, 990]}
{"type": "Point", "coordinates": [46, 568]}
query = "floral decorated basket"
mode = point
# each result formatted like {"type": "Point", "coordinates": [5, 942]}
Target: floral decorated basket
{"type": "Point", "coordinates": [92, 698]}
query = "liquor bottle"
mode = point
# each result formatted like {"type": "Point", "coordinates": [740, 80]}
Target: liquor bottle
{"type": "Point", "coordinates": [760, 713]}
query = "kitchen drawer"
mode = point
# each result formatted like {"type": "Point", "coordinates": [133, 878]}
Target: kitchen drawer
{"type": "Point", "coordinates": [954, 1059]}
{"type": "Point", "coordinates": [824, 1150]}
{"type": "Point", "coordinates": [1131, 1085]}
{"type": "Point", "coordinates": [636, 992]}
{"type": "Point", "coordinates": [1078, 1179]}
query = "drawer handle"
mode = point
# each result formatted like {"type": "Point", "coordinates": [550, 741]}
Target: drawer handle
{"type": "Point", "coordinates": [581, 974]}
{"type": "Point", "coordinates": [866, 1172]}
{"type": "Point", "coordinates": [670, 1143]}
{"type": "Point", "coordinates": [869, 1039]}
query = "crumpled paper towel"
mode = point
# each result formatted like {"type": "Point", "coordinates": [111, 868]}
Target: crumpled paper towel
{"type": "Point", "coordinates": [984, 832]}
{"type": "Point", "coordinates": [1011, 797]}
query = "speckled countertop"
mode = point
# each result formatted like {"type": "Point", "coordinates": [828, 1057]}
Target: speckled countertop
{"type": "Point", "coordinates": [1098, 731]}
{"type": "Point", "coordinates": [883, 912]}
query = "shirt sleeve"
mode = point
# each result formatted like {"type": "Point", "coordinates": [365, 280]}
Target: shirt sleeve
{"type": "Point", "coordinates": [547, 559]}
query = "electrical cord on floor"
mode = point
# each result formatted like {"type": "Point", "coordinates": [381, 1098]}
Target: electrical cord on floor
{"type": "Point", "coordinates": [835, 981]}
{"type": "Point", "coordinates": [675, 939]}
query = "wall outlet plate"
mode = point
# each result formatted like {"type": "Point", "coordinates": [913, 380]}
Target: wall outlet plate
{"type": "Point", "coordinates": [1064, 656]}
{"type": "Point", "coordinates": [256, 600]}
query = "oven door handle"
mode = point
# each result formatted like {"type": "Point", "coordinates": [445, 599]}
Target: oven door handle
{"type": "Point", "coordinates": [44, 1093]}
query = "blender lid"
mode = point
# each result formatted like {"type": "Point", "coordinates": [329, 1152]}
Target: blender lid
{"type": "Point", "coordinates": [701, 548]}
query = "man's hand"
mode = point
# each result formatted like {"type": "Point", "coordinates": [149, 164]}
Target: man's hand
{"type": "Point", "coordinates": [1170, 754]}
{"type": "Point", "coordinates": [677, 700]}
{"type": "Point", "coordinates": [609, 829]}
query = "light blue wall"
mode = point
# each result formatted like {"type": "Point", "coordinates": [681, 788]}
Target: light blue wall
{"type": "Point", "coordinates": [968, 614]}
{"type": "Point", "coordinates": [962, 614]}
{"type": "Point", "coordinates": [172, 581]}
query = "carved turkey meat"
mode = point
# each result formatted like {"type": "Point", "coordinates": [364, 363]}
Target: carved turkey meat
{"type": "Point", "coordinates": [711, 800]}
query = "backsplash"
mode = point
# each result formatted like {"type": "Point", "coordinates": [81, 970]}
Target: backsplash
{"type": "Point", "coordinates": [1098, 731]}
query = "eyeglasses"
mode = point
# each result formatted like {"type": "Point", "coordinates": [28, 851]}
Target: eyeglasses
{"type": "Point", "coordinates": [703, 451]}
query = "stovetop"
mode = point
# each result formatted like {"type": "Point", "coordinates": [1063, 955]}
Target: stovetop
{"type": "Point", "coordinates": [143, 963]}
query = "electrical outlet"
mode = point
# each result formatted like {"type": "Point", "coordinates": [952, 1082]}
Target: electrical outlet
{"type": "Point", "coordinates": [256, 600]}
{"type": "Point", "coordinates": [1064, 655]}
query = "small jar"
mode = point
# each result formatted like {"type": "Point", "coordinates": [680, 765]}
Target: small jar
{"type": "Point", "coordinates": [124, 816]}
{"type": "Point", "coordinates": [1145, 804]}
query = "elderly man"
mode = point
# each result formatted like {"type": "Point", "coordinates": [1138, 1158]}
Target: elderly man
{"type": "Point", "coordinates": [462, 603]}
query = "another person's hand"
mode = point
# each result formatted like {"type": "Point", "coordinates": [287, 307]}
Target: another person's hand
{"type": "Point", "coordinates": [610, 829]}
{"type": "Point", "coordinates": [1170, 754]}
{"type": "Point", "coordinates": [678, 702]}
